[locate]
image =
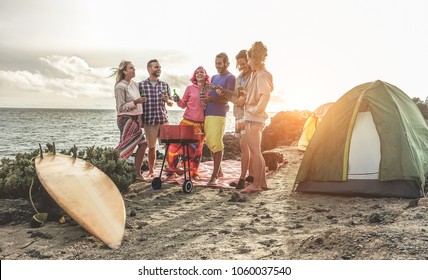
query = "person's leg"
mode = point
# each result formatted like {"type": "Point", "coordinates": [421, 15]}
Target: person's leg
{"type": "Point", "coordinates": [253, 132]}
{"type": "Point", "coordinates": [139, 157]}
{"type": "Point", "coordinates": [245, 156]}
{"type": "Point", "coordinates": [152, 132]}
{"type": "Point", "coordinates": [152, 158]}
{"type": "Point", "coordinates": [245, 160]}
{"type": "Point", "coordinates": [217, 156]}
{"type": "Point", "coordinates": [214, 130]}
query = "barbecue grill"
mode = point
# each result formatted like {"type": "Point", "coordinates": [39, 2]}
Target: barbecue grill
{"type": "Point", "coordinates": [180, 134]}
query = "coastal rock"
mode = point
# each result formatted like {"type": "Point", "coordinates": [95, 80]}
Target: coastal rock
{"type": "Point", "coordinates": [232, 148]}
{"type": "Point", "coordinates": [272, 159]}
{"type": "Point", "coordinates": [284, 129]}
{"type": "Point", "coordinates": [15, 211]}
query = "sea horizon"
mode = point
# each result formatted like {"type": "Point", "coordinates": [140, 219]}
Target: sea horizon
{"type": "Point", "coordinates": [25, 128]}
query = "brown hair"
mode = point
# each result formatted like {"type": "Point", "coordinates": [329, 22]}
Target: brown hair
{"type": "Point", "coordinates": [225, 58]}
{"type": "Point", "coordinates": [241, 54]}
{"type": "Point", "coordinates": [151, 61]}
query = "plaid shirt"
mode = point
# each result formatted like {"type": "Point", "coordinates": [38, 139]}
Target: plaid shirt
{"type": "Point", "coordinates": [154, 110]}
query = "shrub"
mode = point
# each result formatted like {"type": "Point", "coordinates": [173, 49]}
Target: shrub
{"type": "Point", "coordinates": [16, 176]}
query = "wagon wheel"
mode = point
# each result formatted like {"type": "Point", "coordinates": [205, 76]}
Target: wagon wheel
{"type": "Point", "coordinates": [187, 186]}
{"type": "Point", "coordinates": [156, 183]}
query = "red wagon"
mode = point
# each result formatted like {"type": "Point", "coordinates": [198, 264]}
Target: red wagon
{"type": "Point", "coordinates": [184, 135]}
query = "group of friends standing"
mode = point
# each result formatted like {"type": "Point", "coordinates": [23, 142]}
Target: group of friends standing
{"type": "Point", "coordinates": [143, 105]}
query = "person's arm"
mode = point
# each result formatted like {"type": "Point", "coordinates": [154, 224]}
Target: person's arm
{"type": "Point", "coordinates": [121, 105]}
{"type": "Point", "coordinates": [227, 93]}
{"type": "Point", "coordinates": [182, 102]}
{"type": "Point", "coordinates": [167, 97]}
{"type": "Point", "coordinates": [261, 105]}
{"type": "Point", "coordinates": [217, 99]}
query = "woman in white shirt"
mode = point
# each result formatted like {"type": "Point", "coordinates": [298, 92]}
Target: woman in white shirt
{"type": "Point", "coordinates": [129, 116]}
{"type": "Point", "coordinates": [258, 89]}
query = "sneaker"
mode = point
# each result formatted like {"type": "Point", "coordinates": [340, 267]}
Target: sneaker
{"type": "Point", "coordinates": [240, 185]}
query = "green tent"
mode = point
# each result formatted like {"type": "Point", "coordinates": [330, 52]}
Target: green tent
{"type": "Point", "coordinates": [372, 141]}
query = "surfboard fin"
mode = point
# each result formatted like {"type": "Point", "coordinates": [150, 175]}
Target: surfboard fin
{"type": "Point", "coordinates": [41, 151]}
{"type": "Point", "coordinates": [74, 151]}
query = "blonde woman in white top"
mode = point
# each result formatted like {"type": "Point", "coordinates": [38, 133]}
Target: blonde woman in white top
{"type": "Point", "coordinates": [129, 116]}
{"type": "Point", "coordinates": [258, 89]}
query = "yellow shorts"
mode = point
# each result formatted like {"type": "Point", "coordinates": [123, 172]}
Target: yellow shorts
{"type": "Point", "coordinates": [214, 127]}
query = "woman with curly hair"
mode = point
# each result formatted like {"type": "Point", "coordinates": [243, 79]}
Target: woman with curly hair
{"type": "Point", "coordinates": [258, 90]}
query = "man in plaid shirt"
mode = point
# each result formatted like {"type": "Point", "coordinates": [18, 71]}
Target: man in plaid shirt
{"type": "Point", "coordinates": [155, 115]}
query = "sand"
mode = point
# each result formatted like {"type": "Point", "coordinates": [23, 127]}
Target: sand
{"type": "Point", "coordinates": [211, 223]}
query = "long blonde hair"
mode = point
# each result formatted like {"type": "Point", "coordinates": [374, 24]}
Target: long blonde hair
{"type": "Point", "coordinates": [119, 72]}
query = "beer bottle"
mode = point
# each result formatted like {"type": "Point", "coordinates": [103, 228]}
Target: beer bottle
{"type": "Point", "coordinates": [176, 97]}
{"type": "Point", "coordinates": [142, 93]}
{"type": "Point", "coordinates": [202, 93]}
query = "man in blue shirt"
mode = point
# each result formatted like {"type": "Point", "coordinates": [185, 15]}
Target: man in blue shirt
{"type": "Point", "coordinates": [215, 113]}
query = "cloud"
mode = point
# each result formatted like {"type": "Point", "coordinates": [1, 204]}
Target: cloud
{"type": "Point", "coordinates": [67, 76]}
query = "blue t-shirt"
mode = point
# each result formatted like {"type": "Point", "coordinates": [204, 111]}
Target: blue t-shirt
{"type": "Point", "coordinates": [226, 81]}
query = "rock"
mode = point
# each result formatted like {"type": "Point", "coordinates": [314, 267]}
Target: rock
{"type": "Point", "coordinates": [376, 218]}
{"type": "Point", "coordinates": [145, 166]}
{"type": "Point", "coordinates": [16, 211]}
{"type": "Point", "coordinates": [423, 201]}
{"type": "Point", "coordinates": [284, 129]}
{"type": "Point", "coordinates": [412, 203]}
{"type": "Point", "coordinates": [40, 234]}
{"type": "Point", "coordinates": [238, 197]}
{"type": "Point", "coordinates": [232, 148]}
{"type": "Point", "coordinates": [159, 155]}
{"type": "Point", "coordinates": [272, 159]}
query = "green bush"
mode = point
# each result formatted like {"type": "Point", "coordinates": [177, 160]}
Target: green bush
{"type": "Point", "coordinates": [16, 175]}
{"type": "Point", "coordinates": [107, 160]}
{"type": "Point", "coordinates": [422, 105]}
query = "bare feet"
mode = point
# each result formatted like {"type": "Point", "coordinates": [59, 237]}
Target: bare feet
{"type": "Point", "coordinates": [212, 182]}
{"type": "Point", "coordinates": [140, 178]}
{"type": "Point", "coordinates": [252, 190]}
{"type": "Point", "coordinates": [171, 177]}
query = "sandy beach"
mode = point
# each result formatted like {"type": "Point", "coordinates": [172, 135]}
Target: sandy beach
{"type": "Point", "coordinates": [212, 223]}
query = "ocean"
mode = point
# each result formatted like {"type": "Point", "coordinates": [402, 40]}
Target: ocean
{"type": "Point", "coordinates": [22, 129]}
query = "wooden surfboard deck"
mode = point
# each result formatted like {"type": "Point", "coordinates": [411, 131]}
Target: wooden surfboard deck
{"type": "Point", "coordinates": [87, 194]}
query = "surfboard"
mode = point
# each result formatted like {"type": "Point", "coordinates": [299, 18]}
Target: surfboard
{"type": "Point", "coordinates": [85, 193]}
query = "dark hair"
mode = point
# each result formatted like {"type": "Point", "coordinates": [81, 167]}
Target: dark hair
{"type": "Point", "coordinates": [241, 54]}
{"type": "Point", "coordinates": [225, 58]}
{"type": "Point", "coordinates": [151, 61]}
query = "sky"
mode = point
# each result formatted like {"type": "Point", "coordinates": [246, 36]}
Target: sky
{"type": "Point", "coordinates": [59, 54]}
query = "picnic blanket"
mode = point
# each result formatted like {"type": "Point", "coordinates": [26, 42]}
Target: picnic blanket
{"type": "Point", "coordinates": [231, 172]}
